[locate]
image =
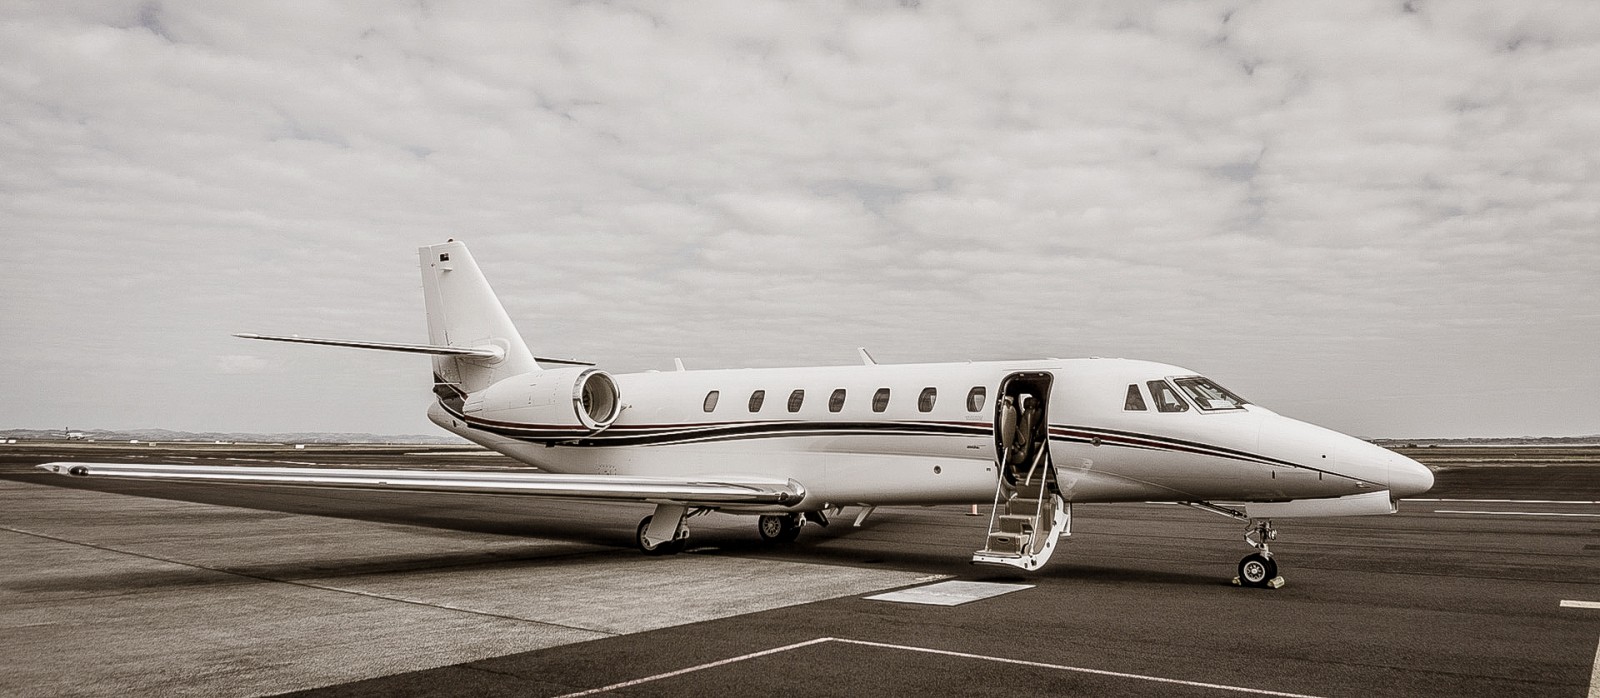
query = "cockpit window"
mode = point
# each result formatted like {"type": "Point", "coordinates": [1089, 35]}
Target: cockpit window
{"type": "Point", "coordinates": [1135, 399]}
{"type": "Point", "coordinates": [1208, 395]}
{"type": "Point", "coordinates": [1166, 398]}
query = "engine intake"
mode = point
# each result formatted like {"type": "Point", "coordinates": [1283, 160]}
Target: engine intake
{"type": "Point", "coordinates": [579, 399]}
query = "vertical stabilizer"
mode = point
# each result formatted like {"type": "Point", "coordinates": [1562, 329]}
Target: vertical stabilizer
{"type": "Point", "coordinates": [464, 312]}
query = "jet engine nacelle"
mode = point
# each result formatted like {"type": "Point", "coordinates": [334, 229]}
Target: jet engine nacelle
{"type": "Point", "coordinates": [579, 399]}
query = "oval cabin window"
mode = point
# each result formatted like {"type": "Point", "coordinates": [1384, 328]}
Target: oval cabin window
{"type": "Point", "coordinates": [975, 399]}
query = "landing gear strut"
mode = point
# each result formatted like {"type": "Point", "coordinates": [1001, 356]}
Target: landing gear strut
{"type": "Point", "coordinates": [1258, 569]}
{"type": "Point", "coordinates": [780, 528]}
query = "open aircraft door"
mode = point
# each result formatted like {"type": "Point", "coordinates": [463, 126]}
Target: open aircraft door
{"type": "Point", "coordinates": [1028, 515]}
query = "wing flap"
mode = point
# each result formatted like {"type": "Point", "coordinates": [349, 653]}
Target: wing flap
{"type": "Point", "coordinates": [602, 487]}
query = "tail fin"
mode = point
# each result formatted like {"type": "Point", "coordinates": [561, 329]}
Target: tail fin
{"type": "Point", "coordinates": [464, 312]}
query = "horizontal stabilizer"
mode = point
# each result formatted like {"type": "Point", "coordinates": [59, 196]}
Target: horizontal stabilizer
{"type": "Point", "coordinates": [486, 352]}
{"type": "Point", "coordinates": [602, 487]}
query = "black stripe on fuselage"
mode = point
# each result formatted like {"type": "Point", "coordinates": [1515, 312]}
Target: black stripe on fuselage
{"type": "Point", "coordinates": [673, 434]}
{"type": "Point", "coordinates": [1129, 439]}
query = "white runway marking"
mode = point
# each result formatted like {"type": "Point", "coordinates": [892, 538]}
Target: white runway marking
{"type": "Point", "coordinates": [947, 653]}
{"type": "Point", "coordinates": [698, 667]}
{"type": "Point", "coordinates": [1511, 501]}
{"type": "Point", "coordinates": [1580, 604]}
{"type": "Point", "coordinates": [1594, 674]}
{"type": "Point", "coordinates": [1514, 513]}
{"type": "Point", "coordinates": [336, 600]}
{"type": "Point", "coordinates": [952, 593]}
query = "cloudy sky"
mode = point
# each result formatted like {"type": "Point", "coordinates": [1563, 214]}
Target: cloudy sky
{"type": "Point", "coordinates": [1383, 217]}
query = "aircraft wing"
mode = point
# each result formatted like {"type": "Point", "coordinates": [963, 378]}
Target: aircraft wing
{"type": "Point", "coordinates": [599, 487]}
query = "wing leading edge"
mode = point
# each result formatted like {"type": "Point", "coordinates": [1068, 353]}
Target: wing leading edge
{"type": "Point", "coordinates": [598, 487]}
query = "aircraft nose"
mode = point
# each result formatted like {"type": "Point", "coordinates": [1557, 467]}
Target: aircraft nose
{"type": "Point", "coordinates": [1408, 478]}
{"type": "Point", "coordinates": [1379, 465]}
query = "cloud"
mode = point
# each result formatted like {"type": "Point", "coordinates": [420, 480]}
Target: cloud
{"type": "Point", "coordinates": [240, 364]}
{"type": "Point", "coordinates": [1391, 195]}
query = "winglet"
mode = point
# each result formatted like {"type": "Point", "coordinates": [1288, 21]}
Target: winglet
{"type": "Point", "coordinates": [678, 364]}
{"type": "Point", "coordinates": [866, 359]}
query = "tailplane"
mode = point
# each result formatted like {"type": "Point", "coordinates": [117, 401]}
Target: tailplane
{"type": "Point", "coordinates": [470, 337]}
{"type": "Point", "coordinates": [464, 313]}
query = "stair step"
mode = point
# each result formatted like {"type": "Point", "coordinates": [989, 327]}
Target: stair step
{"type": "Point", "coordinates": [1005, 543]}
{"type": "Point", "coordinates": [1012, 523]}
{"type": "Point", "coordinates": [1021, 507]}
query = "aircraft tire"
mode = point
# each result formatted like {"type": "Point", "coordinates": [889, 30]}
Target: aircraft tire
{"type": "Point", "coordinates": [1257, 570]}
{"type": "Point", "coordinates": [779, 528]}
{"type": "Point", "coordinates": [672, 548]}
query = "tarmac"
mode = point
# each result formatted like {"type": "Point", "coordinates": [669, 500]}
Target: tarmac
{"type": "Point", "coordinates": [1488, 585]}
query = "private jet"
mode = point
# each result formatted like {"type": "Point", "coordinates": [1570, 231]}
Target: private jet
{"type": "Point", "coordinates": [796, 446]}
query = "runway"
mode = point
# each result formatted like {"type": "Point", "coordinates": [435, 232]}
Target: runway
{"type": "Point", "coordinates": [111, 588]}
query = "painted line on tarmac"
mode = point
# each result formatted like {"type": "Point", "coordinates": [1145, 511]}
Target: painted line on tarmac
{"type": "Point", "coordinates": [302, 584]}
{"type": "Point", "coordinates": [1594, 674]}
{"type": "Point", "coordinates": [1510, 501]}
{"type": "Point", "coordinates": [698, 667]}
{"type": "Point", "coordinates": [269, 460]}
{"type": "Point", "coordinates": [1514, 513]}
{"type": "Point", "coordinates": [1579, 604]}
{"type": "Point", "coordinates": [928, 650]}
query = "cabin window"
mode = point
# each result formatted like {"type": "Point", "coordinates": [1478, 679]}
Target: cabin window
{"type": "Point", "coordinates": [975, 399]}
{"type": "Point", "coordinates": [836, 400]}
{"type": "Point", "coordinates": [1135, 399]}
{"type": "Point", "coordinates": [711, 401]}
{"type": "Point", "coordinates": [1166, 398]}
{"type": "Point", "coordinates": [756, 398]}
{"type": "Point", "coordinates": [926, 399]}
{"type": "Point", "coordinates": [1208, 395]}
{"type": "Point", "coordinates": [880, 400]}
{"type": "Point", "coordinates": [795, 399]}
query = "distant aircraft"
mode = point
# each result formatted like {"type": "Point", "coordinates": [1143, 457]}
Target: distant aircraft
{"type": "Point", "coordinates": [798, 445]}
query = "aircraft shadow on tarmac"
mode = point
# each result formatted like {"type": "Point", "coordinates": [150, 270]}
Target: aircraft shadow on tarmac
{"type": "Point", "coordinates": [873, 544]}
{"type": "Point", "coordinates": [303, 569]}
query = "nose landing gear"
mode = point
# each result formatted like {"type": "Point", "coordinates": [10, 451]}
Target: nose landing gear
{"type": "Point", "coordinates": [1258, 569]}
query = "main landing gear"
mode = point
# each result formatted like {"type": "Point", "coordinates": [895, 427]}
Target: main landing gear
{"type": "Point", "coordinates": [666, 533]}
{"type": "Point", "coordinates": [780, 528]}
{"type": "Point", "coordinates": [785, 528]}
{"type": "Point", "coordinates": [645, 545]}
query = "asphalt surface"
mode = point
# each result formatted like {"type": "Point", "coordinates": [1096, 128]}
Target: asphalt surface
{"type": "Point", "coordinates": [1459, 594]}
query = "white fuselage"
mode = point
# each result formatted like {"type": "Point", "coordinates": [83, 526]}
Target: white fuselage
{"type": "Point", "coordinates": [904, 450]}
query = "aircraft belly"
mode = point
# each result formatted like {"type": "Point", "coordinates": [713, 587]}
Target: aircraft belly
{"type": "Point", "coordinates": [833, 470]}
{"type": "Point", "coordinates": [880, 479]}
{"type": "Point", "coordinates": [1110, 473]}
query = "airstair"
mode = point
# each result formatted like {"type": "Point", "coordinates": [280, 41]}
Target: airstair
{"type": "Point", "coordinates": [1027, 519]}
